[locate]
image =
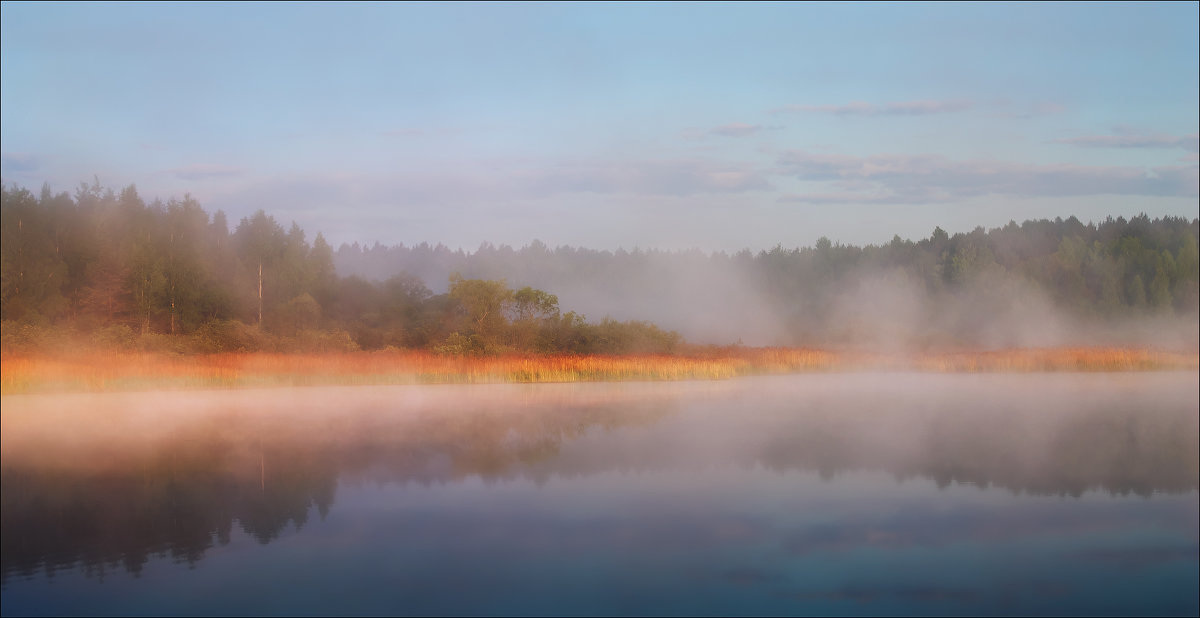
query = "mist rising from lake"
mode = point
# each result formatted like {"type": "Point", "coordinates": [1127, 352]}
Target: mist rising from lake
{"type": "Point", "coordinates": [840, 493]}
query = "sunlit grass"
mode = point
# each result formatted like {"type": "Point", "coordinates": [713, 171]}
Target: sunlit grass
{"type": "Point", "coordinates": [1061, 359]}
{"type": "Point", "coordinates": [122, 371]}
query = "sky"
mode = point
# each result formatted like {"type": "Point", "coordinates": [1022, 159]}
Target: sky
{"type": "Point", "coordinates": [672, 126]}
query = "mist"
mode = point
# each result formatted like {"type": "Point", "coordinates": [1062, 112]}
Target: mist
{"type": "Point", "coordinates": [154, 469]}
{"type": "Point", "coordinates": [1040, 284]}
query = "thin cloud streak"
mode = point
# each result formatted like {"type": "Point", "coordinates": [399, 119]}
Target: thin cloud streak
{"type": "Point", "coordinates": [1006, 108]}
{"type": "Point", "coordinates": [934, 178]}
{"type": "Point", "coordinates": [672, 177]}
{"type": "Point", "coordinates": [407, 132]}
{"type": "Point", "coordinates": [478, 184]}
{"type": "Point", "coordinates": [19, 162]}
{"type": "Point", "coordinates": [1190, 143]}
{"type": "Point", "coordinates": [848, 198]}
{"type": "Point", "coordinates": [736, 129]}
{"type": "Point", "coordinates": [204, 171]}
{"type": "Point", "coordinates": [899, 108]}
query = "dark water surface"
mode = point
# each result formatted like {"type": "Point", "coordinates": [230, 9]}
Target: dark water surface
{"type": "Point", "coordinates": [815, 494]}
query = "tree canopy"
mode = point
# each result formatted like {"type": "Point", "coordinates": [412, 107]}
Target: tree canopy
{"type": "Point", "coordinates": [107, 266]}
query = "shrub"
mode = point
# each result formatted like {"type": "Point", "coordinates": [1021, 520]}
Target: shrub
{"type": "Point", "coordinates": [117, 337]}
{"type": "Point", "coordinates": [458, 344]}
{"type": "Point", "coordinates": [230, 336]}
{"type": "Point", "coordinates": [322, 341]}
{"type": "Point", "coordinates": [25, 338]}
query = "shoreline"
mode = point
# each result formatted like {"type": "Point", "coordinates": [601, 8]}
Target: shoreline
{"type": "Point", "coordinates": [93, 372]}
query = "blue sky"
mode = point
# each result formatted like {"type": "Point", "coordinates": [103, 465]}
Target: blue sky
{"type": "Point", "coordinates": [715, 126]}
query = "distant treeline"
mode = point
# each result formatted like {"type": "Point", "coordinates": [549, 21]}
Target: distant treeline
{"type": "Point", "coordinates": [111, 269]}
{"type": "Point", "coordinates": [1004, 286]}
{"type": "Point", "coordinates": [106, 269]}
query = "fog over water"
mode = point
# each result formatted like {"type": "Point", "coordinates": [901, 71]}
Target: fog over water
{"type": "Point", "coordinates": [932, 214]}
{"type": "Point", "coordinates": [904, 423]}
{"type": "Point", "coordinates": [810, 493]}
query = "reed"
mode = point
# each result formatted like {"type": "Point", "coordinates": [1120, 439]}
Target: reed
{"type": "Point", "coordinates": [98, 372]}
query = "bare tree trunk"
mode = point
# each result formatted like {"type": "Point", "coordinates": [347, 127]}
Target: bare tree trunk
{"type": "Point", "coordinates": [260, 294]}
{"type": "Point", "coordinates": [20, 255]}
{"type": "Point", "coordinates": [146, 303]}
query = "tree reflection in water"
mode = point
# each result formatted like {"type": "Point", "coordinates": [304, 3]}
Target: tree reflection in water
{"type": "Point", "coordinates": [103, 482]}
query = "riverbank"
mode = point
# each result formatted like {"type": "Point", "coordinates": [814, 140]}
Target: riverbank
{"type": "Point", "coordinates": [125, 371]}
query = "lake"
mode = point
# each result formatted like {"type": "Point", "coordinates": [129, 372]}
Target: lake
{"type": "Point", "coordinates": [845, 493]}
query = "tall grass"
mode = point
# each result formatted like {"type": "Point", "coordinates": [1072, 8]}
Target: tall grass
{"type": "Point", "coordinates": [94, 371]}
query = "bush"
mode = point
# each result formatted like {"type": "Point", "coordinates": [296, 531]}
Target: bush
{"type": "Point", "coordinates": [160, 342]}
{"type": "Point", "coordinates": [320, 341]}
{"type": "Point", "coordinates": [458, 344]}
{"type": "Point", "coordinates": [230, 336]}
{"type": "Point", "coordinates": [613, 337]}
{"type": "Point", "coordinates": [25, 338]}
{"type": "Point", "coordinates": [117, 337]}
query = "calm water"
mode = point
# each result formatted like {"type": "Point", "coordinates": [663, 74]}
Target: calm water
{"type": "Point", "coordinates": [818, 494]}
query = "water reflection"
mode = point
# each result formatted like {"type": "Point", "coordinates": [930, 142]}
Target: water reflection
{"type": "Point", "coordinates": [108, 482]}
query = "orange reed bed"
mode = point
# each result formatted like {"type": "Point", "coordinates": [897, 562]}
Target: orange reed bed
{"type": "Point", "coordinates": [144, 371]}
{"type": "Point", "coordinates": [1061, 359]}
{"type": "Point", "coordinates": [128, 371]}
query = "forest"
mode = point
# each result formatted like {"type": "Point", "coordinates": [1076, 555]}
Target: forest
{"type": "Point", "coordinates": [105, 268]}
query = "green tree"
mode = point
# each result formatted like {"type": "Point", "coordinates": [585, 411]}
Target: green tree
{"type": "Point", "coordinates": [485, 303]}
{"type": "Point", "coordinates": [1186, 290]}
{"type": "Point", "coordinates": [299, 314]}
{"type": "Point", "coordinates": [322, 276]}
{"type": "Point", "coordinates": [531, 311]}
{"type": "Point", "coordinates": [186, 278]}
{"type": "Point", "coordinates": [1136, 292]}
{"type": "Point", "coordinates": [33, 273]}
{"type": "Point", "coordinates": [261, 243]}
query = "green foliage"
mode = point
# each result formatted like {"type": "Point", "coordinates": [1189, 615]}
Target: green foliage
{"type": "Point", "coordinates": [532, 305]}
{"type": "Point", "coordinates": [1136, 293]}
{"type": "Point", "coordinates": [105, 268]}
{"type": "Point", "coordinates": [32, 272]}
{"type": "Point", "coordinates": [28, 337]}
{"type": "Point", "coordinates": [485, 304]}
{"type": "Point", "coordinates": [163, 343]}
{"type": "Point", "coordinates": [319, 341]}
{"type": "Point", "coordinates": [566, 332]}
{"type": "Point", "coordinates": [301, 313]}
{"type": "Point", "coordinates": [116, 337]}
{"type": "Point", "coordinates": [613, 337]}
{"type": "Point", "coordinates": [458, 344]}
{"type": "Point", "coordinates": [229, 336]}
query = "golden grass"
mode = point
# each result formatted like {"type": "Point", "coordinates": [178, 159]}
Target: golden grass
{"type": "Point", "coordinates": [94, 372]}
{"type": "Point", "coordinates": [1063, 359]}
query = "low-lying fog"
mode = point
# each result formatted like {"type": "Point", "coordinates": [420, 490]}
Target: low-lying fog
{"type": "Point", "coordinates": [114, 479]}
{"type": "Point", "coordinates": [888, 311]}
{"type": "Point", "coordinates": [1045, 432]}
